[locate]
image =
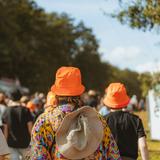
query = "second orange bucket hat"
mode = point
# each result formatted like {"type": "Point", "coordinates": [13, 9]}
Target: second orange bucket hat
{"type": "Point", "coordinates": [116, 96]}
{"type": "Point", "coordinates": [68, 82]}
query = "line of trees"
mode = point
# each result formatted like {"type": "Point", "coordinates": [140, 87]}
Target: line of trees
{"type": "Point", "coordinates": [33, 44]}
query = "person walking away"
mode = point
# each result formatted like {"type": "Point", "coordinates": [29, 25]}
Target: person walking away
{"type": "Point", "coordinates": [127, 129]}
{"type": "Point", "coordinates": [66, 131]}
{"type": "Point", "coordinates": [134, 103]}
{"type": "Point", "coordinates": [93, 100]}
{"type": "Point", "coordinates": [141, 104]}
{"type": "Point", "coordinates": [4, 150]}
{"type": "Point", "coordinates": [17, 129]}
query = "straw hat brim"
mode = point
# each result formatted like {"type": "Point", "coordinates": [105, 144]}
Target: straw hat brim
{"type": "Point", "coordinates": [95, 136]}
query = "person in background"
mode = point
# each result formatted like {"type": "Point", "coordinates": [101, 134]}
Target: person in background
{"type": "Point", "coordinates": [134, 103]}
{"type": "Point", "coordinates": [141, 104]}
{"type": "Point", "coordinates": [31, 106]}
{"type": "Point", "coordinates": [103, 109]}
{"type": "Point", "coordinates": [127, 129]}
{"type": "Point", "coordinates": [24, 100]}
{"type": "Point", "coordinates": [71, 131]}
{"type": "Point", "coordinates": [92, 99]}
{"type": "Point", "coordinates": [36, 108]}
{"type": "Point", "coordinates": [39, 108]}
{"type": "Point", "coordinates": [4, 150]}
{"type": "Point", "coordinates": [42, 98]}
{"type": "Point", "coordinates": [2, 108]}
{"type": "Point", "coordinates": [84, 98]}
{"type": "Point", "coordinates": [17, 128]}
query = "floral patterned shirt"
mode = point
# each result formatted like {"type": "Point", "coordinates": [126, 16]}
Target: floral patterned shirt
{"type": "Point", "coordinates": [43, 145]}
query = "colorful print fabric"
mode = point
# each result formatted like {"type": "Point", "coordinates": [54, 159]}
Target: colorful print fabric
{"type": "Point", "coordinates": [43, 146]}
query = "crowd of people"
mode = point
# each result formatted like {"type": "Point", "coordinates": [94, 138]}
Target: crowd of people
{"type": "Point", "coordinates": [70, 123]}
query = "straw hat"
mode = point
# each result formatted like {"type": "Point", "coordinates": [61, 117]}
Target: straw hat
{"type": "Point", "coordinates": [116, 96]}
{"type": "Point", "coordinates": [68, 82]}
{"type": "Point", "coordinates": [80, 133]}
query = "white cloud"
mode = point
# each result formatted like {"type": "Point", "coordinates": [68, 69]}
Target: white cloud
{"type": "Point", "coordinates": [131, 57]}
{"type": "Point", "coordinates": [123, 56]}
{"type": "Point", "coordinates": [148, 66]}
{"type": "Point", "coordinates": [124, 53]}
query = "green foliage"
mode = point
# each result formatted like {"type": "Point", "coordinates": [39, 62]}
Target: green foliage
{"type": "Point", "coordinates": [34, 44]}
{"type": "Point", "coordinates": [146, 82]}
{"type": "Point", "coordinates": [141, 14]}
{"type": "Point", "coordinates": [153, 146]}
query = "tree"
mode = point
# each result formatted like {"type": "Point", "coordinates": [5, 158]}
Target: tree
{"type": "Point", "coordinates": [34, 44]}
{"type": "Point", "coordinates": [141, 14]}
{"type": "Point", "coordinates": [146, 83]}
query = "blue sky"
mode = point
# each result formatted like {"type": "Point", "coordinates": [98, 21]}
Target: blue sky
{"type": "Point", "coordinates": [119, 45]}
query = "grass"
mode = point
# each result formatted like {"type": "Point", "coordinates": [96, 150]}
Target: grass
{"type": "Point", "coordinates": [153, 146]}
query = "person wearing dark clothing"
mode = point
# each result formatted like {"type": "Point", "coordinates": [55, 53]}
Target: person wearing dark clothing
{"type": "Point", "coordinates": [127, 129]}
{"type": "Point", "coordinates": [92, 99]}
{"type": "Point", "coordinates": [120, 123]}
{"type": "Point", "coordinates": [2, 108]}
{"type": "Point", "coordinates": [17, 129]}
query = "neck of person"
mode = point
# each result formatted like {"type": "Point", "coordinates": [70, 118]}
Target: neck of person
{"type": "Point", "coordinates": [115, 110]}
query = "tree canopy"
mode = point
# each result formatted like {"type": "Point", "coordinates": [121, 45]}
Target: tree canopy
{"type": "Point", "coordinates": [141, 14]}
{"type": "Point", "coordinates": [34, 44]}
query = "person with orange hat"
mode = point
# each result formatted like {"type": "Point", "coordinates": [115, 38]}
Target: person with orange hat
{"type": "Point", "coordinates": [70, 130]}
{"type": "Point", "coordinates": [126, 128]}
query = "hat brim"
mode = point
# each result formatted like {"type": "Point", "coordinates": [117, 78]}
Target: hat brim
{"type": "Point", "coordinates": [96, 127]}
{"type": "Point", "coordinates": [116, 105]}
{"type": "Point", "coordinates": [67, 91]}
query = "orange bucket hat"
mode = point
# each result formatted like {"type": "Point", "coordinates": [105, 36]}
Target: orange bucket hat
{"type": "Point", "coordinates": [116, 96]}
{"type": "Point", "coordinates": [68, 82]}
{"type": "Point", "coordinates": [51, 99]}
